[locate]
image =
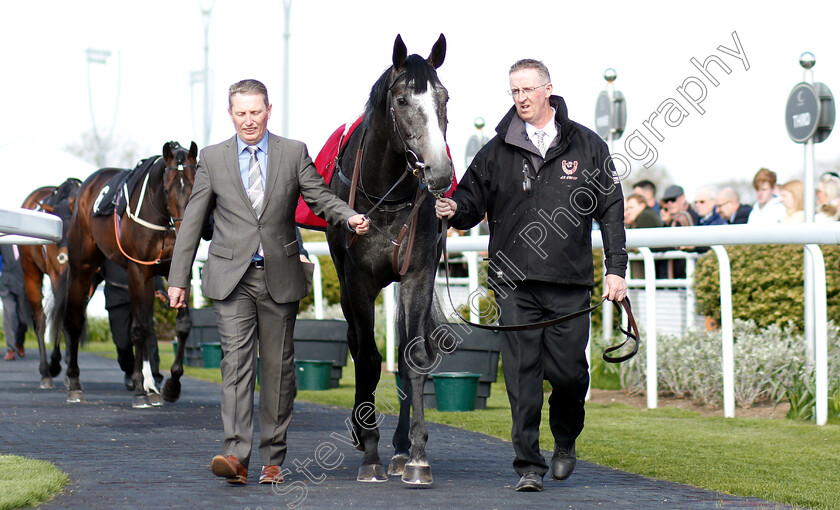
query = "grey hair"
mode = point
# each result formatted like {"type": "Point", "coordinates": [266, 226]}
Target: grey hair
{"type": "Point", "coordinates": [248, 87]}
{"type": "Point", "coordinates": [529, 63]}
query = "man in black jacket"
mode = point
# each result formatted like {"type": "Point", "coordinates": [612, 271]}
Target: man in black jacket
{"type": "Point", "coordinates": [118, 305]}
{"type": "Point", "coordinates": [541, 181]}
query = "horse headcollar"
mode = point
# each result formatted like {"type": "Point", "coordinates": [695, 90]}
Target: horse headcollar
{"type": "Point", "coordinates": [412, 160]}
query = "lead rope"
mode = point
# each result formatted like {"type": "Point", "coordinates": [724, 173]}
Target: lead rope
{"type": "Point", "coordinates": [633, 334]}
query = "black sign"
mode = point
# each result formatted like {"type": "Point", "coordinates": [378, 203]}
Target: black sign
{"type": "Point", "coordinates": [802, 113]}
{"type": "Point", "coordinates": [610, 118]}
{"type": "Point", "coordinates": [603, 115]}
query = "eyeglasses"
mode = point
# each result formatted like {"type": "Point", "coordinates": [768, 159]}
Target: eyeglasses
{"type": "Point", "coordinates": [668, 200]}
{"type": "Point", "coordinates": [700, 201]}
{"type": "Point", "coordinates": [527, 91]}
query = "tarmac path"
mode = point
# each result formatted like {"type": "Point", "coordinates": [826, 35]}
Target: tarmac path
{"type": "Point", "coordinates": [119, 457]}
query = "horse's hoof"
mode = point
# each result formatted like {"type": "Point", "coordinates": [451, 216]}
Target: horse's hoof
{"type": "Point", "coordinates": [397, 465]}
{"type": "Point", "coordinates": [155, 400]}
{"type": "Point", "coordinates": [46, 383]}
{"type": "Point", "coordinates": [75, 396]}
{"type": "Point", "coordinates": [171, 390]}
{"type": "Point", "coordinates": [140, 402]}
{"type": "Point", "coordinates": [417, 474]}
{"type": "Point", "coordinates": [372, 473]}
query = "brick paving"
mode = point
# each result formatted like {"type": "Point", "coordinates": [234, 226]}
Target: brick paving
{"type": "Point", "coordinates": [119, 457]}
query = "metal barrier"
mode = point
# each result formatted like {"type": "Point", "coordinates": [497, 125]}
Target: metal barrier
{"type": "Point", "coordinates": [809, 235]}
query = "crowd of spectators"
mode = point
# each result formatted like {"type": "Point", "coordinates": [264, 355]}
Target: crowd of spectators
{"type": "Point", "coordinates": [775, 203]}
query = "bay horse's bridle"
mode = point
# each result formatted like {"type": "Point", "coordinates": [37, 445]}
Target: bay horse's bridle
{"type": "Point", "coordinates": [135, 216]}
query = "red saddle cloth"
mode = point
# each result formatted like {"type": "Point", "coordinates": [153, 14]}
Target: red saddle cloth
{"type": "Point", "coordinates": [325, 165]}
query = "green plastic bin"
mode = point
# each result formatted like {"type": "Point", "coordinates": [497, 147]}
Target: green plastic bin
{"type": "Point", "coordinates": [313, 374]}
{"type": "Point", "coordinates": [456, 391]}
{"type": "Point", "coordinates": [211, 354]}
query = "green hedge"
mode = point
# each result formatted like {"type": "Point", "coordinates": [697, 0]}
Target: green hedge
{"type": "Point", "coordinates": [767, 284]}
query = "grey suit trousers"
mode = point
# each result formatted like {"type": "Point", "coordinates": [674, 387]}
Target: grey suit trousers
{"type": "Point", "coordinates": [246, 318]}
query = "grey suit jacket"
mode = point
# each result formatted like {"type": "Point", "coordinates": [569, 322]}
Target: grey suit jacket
{"type": "Point", "coordinates": [218, 189]}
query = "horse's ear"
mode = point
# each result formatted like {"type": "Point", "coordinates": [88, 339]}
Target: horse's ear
{"type": "Point", "coordinates": [400, 53]}
{"type": "Point", "coordinates": [193, 151]}
{"type": "Point", "coordinates": [167, 151]}
{"type": "Point", "coordinates": [438, 52]}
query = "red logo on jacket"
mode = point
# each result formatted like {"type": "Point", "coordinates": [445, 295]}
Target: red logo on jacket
{"type": "Point", "coordinates": [569, 167]}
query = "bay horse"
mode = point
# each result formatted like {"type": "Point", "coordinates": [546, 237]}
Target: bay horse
{"type": "Point", "coordinates": [139, 238]}
{"type": "Point", "coordinates": [398, 157]}
{"type": "Point", "coordinates": [51, 260]}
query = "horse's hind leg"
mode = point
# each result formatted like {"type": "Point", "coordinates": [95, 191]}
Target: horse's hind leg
{"type": "Point", "coordinates": [172, 387]}
{"type": "Point", "coordinates": [32, 281]}
{"type": "Point", "coordinates": [400, 440]}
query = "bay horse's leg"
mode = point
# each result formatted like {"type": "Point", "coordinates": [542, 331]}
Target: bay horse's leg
{"type": "Point", "coordinates": [183, 324]}
{"type": "Point", "coordinates": [415, 331]}
{"type": "Point", "coordinates": [358, 306]}
{"type": "Point", "coordinates": [33, 279]}
{"type": "Point", "coordinates": [74, 324]}
{"type": "Point", "coordinates": [141, 296]}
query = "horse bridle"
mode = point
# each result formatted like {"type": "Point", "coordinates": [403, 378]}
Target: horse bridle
{"type": "Point", "coordinates": [140, 221]}
{"type": "Point", "coordinates": [417, 165]}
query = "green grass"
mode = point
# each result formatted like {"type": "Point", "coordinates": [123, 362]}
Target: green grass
{"type": "Point", "coordinates": [785, 461]}
{"type": "Point", "coordinates": [27, 482]}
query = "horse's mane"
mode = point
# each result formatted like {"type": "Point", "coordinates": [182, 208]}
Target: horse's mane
{"type": "Point", "coordinates": [418, 74]}
{"type": "Point", "coordinates": [64, 191]}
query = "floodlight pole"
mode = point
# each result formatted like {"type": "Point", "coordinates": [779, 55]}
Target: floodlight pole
{"type": "Point", "coordinates": [205, 20]}
{"type": "Point", "coordinates": [807, 61]}
{"type": "Point", "coordinates": [101, 57]}
{"type": "Point", "coordinates": [284, 107]}
{"type": "Point", "coordinates": [607, 311]}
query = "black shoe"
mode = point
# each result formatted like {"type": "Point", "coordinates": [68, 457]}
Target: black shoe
{"type": "Point", "coordinates": [530, 482]}
{"type": "Point", "coordinates": [129, 384]}
{"type": "Point", "coordinates": [563, 461]}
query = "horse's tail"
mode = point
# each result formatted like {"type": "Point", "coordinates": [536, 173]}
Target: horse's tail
{"type": "Point", "coordinates": [434, 334]}
{"type": "Point", "coordinates": [58, 311]}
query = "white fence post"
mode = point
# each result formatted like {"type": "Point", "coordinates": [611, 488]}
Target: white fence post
{"type": "Point", "coordinates": [650, 328]}
{"type": "Point", "coordinates": [727, 334]}
{"type": "Point", "coordinates": [820, 331]}
{"type": "Point", "coordinates": [317, 287]}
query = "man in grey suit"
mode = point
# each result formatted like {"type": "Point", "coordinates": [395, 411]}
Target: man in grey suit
{"type": "Point", "coordinates": [253, 273]}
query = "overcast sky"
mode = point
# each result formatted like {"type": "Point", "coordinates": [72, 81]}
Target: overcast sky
{"type": "Point", "coordinates": [339, 48]}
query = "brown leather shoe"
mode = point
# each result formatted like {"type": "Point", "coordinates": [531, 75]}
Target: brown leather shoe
{"type": "Point", "coordinates": [271, 474]}
{"type": "Point", "coordinates": [10, 355]}
{"type": "Point", "coordinates": [229, 467]}
{"type": "Point", "coordinates": [20, 350]}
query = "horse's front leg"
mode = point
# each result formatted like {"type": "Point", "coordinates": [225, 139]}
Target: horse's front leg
{"type": "Point", "coordinates": [359, 309]}
{"type": "Point", "coordinates": [183, 325]}
{"type": "Point", "coordinates": [416, 330]}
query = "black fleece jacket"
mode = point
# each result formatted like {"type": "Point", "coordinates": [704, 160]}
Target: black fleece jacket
{"type": "Point", "coordinates": [542, 231]}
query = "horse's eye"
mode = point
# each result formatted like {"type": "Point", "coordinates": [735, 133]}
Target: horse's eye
{"type": "Point", "coordinates": [401, 101]}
